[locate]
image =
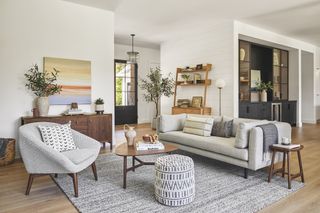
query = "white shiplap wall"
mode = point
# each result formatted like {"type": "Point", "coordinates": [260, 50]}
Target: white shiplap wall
{"type": "Point", "coordinates": [215, 46]}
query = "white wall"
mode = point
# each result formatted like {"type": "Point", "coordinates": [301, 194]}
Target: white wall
{"type": "Point", "coordinates": [148, 58]}
{"type": "Point", "coordinates": [214, 45]}
{"type": "Point", "coordinates": [33, 29]}
{"type": "Point", "coordinates": [307, 81]}
{"type": "Point", "coordinates": [317, 82]}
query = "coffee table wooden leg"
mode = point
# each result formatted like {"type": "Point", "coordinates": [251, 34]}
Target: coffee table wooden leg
{"type": "Point", "coordinates": [284, 164]}
{"type": "Point", "coordinates": [300, 166]}
{"type": "Point", "coordinates": [271, 166]}
{"type": "Point", "coordinates": [133, 159]}
{"type": "Point", "coordinates": [124, 172]}
{"type": "Point", "coordinates": [289, 174]}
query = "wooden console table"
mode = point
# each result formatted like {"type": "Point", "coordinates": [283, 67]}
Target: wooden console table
{"type": "Point", "coordinates": [95, 126]}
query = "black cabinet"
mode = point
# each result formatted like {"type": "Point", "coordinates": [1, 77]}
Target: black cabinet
{"type": "Point", "coordinates": [263, 110]}
{"type": "Point", "coordinates": [289, 112]}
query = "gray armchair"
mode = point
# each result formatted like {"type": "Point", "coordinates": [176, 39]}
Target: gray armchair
{"type": "Point", "coordinates": [39, 159]}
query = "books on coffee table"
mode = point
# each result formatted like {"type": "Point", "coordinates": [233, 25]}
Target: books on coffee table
{"type": "Point", "coordinates": [142, 146]}
{"type": "Point", "coordinates": [291, 146]}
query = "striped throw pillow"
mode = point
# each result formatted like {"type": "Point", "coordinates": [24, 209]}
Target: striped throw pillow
{"type": "Point", "coordinates": [198, 126]}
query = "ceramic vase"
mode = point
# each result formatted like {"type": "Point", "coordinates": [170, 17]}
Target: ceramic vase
{"type": "Point", "coordinates": [99, 108]}
{"type": "Point", "coordinates": [43, 105]}
{"type": "Point", "coordinates": [242, 54]}
{"type": "Point", "coordinates": [130, 134]}
{"type": "Point", "coordinates": [263, 96]}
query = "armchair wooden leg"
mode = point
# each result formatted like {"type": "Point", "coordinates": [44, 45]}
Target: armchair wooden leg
{"type": "Point", "coordinates": [30, 181]}
{"type": "Point", "coordinates": [75, 183]}
{"type": "Point", "coordinates": [94, 170]}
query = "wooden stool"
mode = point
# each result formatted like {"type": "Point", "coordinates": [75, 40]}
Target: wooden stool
{"type": "Point", "coordinates": [286, 153]}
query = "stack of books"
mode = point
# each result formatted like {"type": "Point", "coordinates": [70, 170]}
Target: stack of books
{"type": "Point", "coordinates": [142, 146]}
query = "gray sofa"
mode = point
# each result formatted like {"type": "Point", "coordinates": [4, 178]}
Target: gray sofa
{"type": "Point", "coordinates": [220, 148]}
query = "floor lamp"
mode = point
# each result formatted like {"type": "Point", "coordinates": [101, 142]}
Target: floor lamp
{"type": "Point", "coordinates": [220, 83]}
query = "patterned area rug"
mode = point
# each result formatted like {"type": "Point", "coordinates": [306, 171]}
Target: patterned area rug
{"type": "Point", "coordinates": [220, 187]}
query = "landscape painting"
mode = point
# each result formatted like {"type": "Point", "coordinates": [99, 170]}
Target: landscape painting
{"type": "Point", "coordinates": [75, 79]}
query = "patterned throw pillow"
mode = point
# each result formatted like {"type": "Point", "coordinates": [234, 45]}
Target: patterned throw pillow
{"type": "Point", "coordinates": [222, 128]}
{"type": "Point", "coordinates": [198, 126]}
{"type": "Point", "coordinates": [58, 137]}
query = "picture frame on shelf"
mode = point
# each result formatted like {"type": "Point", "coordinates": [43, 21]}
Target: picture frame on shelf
{"type": "Point", "coordinates": [199, 67]}
{"type": "Point", "coordinates": [196, 78]}
{"type": "Point", "coordinates": [197, 101]}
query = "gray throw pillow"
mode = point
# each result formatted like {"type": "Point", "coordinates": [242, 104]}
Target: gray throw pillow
{"type": "Point", "coordinates": [222, 129]}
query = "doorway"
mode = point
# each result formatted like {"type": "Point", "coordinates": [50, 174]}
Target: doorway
{"type": "Point", "coordinates": [126, 110]}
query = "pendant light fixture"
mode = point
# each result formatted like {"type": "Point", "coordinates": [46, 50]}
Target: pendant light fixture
{"type": "Point", "coordinates": [132, 55]}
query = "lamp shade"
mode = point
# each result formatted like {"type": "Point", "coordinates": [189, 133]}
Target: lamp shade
{"type": "Point", "coordinates": [220, 83]}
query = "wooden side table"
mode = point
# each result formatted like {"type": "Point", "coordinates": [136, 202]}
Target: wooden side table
{"type": "Point", "coordinates": [286, 157]}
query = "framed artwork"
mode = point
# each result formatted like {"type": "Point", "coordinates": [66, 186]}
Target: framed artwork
{"type": "Point", "coordinates": [74, 78]}
{"type": "Point", "coordinates": [199, 67]}
{"type": "Point", "coordinates": [197, 101]}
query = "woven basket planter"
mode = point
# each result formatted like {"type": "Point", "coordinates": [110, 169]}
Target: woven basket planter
{"type": "Point", "coordinates": [7, 151]}
{"type": "Point", "coordinates": [175, 183]}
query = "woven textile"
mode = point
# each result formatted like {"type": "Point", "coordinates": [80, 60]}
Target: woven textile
{"type": "Point", "coordinates": [174, 184]}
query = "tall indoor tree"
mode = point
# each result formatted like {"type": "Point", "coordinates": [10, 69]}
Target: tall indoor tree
{"type": "Point", "coordinates": [155, 86]}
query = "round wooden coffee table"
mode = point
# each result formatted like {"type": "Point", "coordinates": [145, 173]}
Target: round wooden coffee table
{"type": "Point", "coordinates": [130, 151]}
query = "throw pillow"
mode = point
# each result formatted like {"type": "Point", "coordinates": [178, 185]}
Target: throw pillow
{"type": "Point", "coordinates": [243, 133]}
{"type": "Point", "coordinates": [198, 126]}
{"type": "Point", "coordinates": [222, 128]}
{"type": "Point", "coordinates": [172, 122]}
{"type": "Point", "coordinates": [58, 137]}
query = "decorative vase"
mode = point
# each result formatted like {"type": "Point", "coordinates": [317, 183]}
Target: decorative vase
{"type": "Point", "coordinates": [242, 54]}
{"type": "Point", "coordinates": [43, 105]}
{"type": "Point", "coordinates": [154, 123]}
{"type": "Point", "coordinates": [99, 108]}
{"type": "Point", "coordinates": [263, 96]}
{"type": "Point", "coordinates": [130, 134]}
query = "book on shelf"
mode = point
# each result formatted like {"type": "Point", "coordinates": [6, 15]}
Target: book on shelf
{"type": "Point", "coordinates": [290, 146]}
{"type": "Point", "coordinates": [142, 146]}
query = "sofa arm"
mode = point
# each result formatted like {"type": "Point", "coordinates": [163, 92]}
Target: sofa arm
{"type": "Point", "coordinates": [258, 159]}
{"type": "Point", "coordinates": [167, 123]}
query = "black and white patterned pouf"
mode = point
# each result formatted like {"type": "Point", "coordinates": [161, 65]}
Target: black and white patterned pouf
{"type": "Point", "coordinates": [174, 184]}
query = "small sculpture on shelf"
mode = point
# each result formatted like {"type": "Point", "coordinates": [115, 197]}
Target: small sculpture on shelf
{"type": "Point", "coordinates": [183, 103]}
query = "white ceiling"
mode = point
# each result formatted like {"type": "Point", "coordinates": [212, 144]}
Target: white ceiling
{"type": "Point", "coordinates": [154, 21]}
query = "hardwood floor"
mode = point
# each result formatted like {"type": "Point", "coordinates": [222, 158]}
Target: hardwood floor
{"type": "Point", "coordinates": [45, 196]}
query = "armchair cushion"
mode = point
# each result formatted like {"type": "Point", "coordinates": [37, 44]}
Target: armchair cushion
{"type": "Point", "coordinates": [78, 156]}
{"type": "Point", "coordinates": [58, 137]}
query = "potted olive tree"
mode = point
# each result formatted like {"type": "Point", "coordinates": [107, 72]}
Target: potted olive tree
{"type": "Point", "coordinates": [263, 87]}
{"type": "Point", "coordinates": [155, 86]}
{"type": "Point", "coordinates": [99, 106]}
{"type": "Point", "coordinates": [42, 84]}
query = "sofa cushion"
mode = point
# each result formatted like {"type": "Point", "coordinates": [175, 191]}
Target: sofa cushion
{"type": "Point", "coordinates": [198, 126]}
{"type": "Point", "coordinates": [224, 146]}
{"type": "Point", "coordinates": [222, 128]}
{"type": "Point", "coordinates": [243, 133]}
{"type": "Point", "coordinates": [172, 122]}
{"type": "Point", "coordinates": [79, 155]}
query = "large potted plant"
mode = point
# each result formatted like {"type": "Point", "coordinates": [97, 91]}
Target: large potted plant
{"type": "Point", "coordinates": [155, 86]}
{"type": "Point", "coordinates": [263, 87]}
{"type": "Point", "coordinates": [42, 84]}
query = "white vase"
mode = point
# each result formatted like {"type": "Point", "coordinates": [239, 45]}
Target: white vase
{"type": "Point", "coordinates": [263, 96]}
{"type": "Point", "coordinates": [130, 134]}
{"type": "Point", "coordinates": [43, 105]}
{"type": "Point", "coordinates": [99, 108]}
{"type": "Point", "coordinates": [154, 123]}
{"type": "Point", "coordinates": [242, 54]}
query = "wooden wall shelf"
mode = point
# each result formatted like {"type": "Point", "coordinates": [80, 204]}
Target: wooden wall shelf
{"type": "Point", "coordinates": [203, 83]}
